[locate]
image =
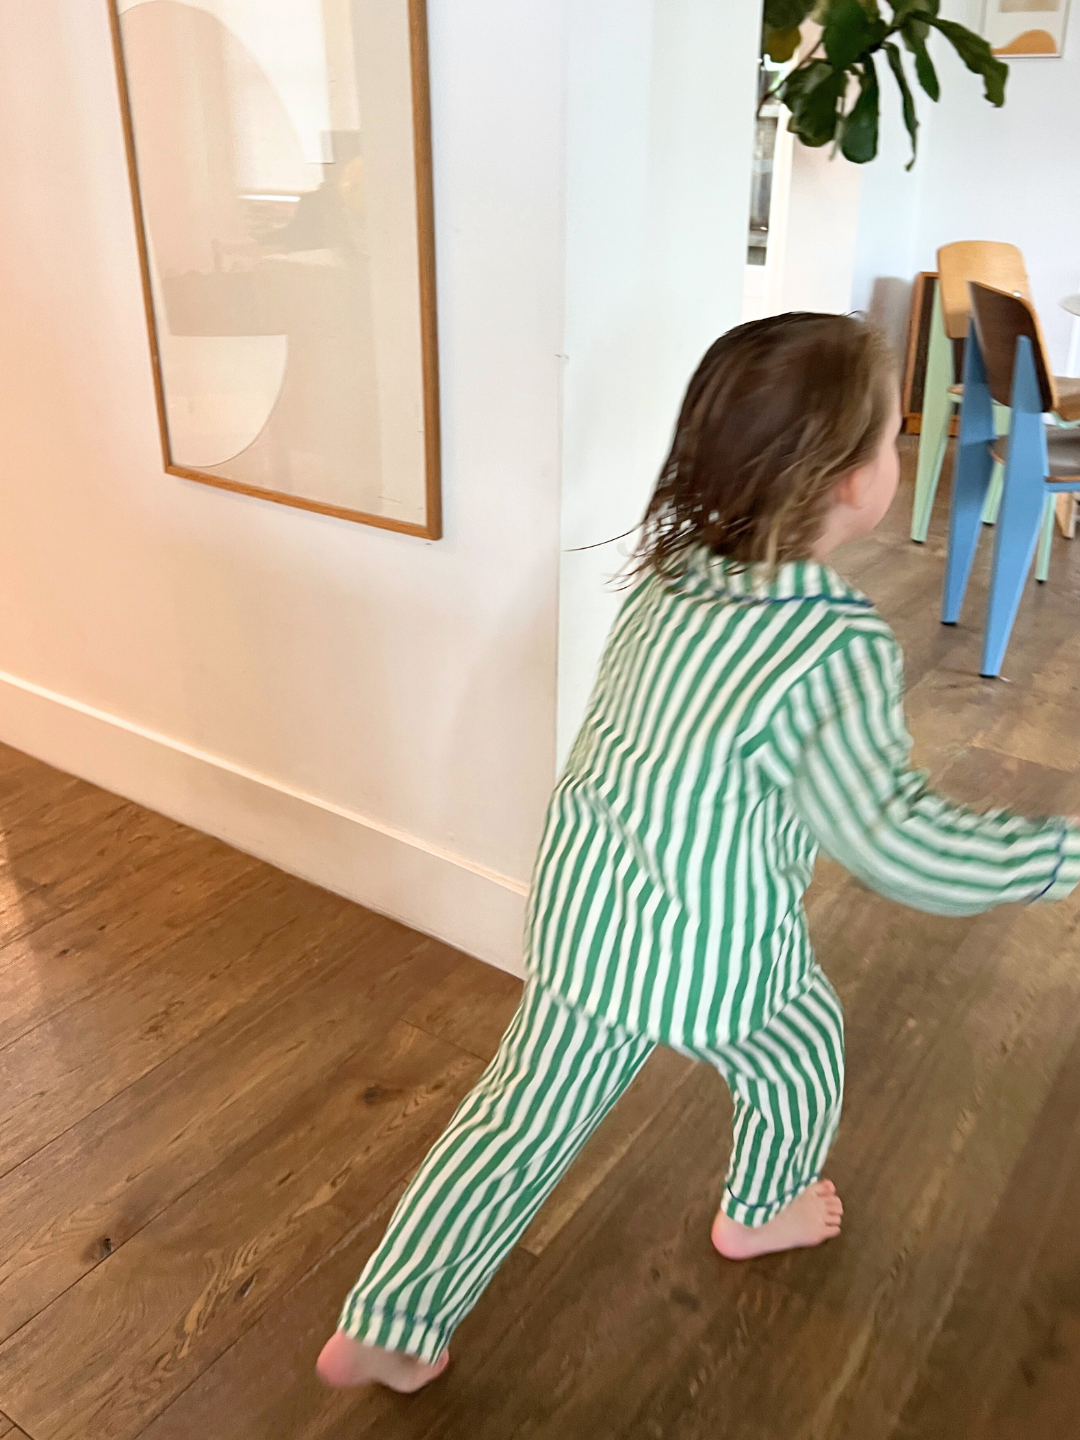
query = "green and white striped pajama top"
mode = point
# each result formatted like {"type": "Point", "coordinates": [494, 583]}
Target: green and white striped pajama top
{"type": "Point", "coordinates": [739, 722]}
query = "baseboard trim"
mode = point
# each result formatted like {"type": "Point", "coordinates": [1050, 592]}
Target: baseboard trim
{"type": "Point", "coordinates": [427, 887]}
{"type": "Point", "coordinates": [329, 807]}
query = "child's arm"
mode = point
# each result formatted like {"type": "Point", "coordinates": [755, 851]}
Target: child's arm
{"type": "Point", "coordinates": [843, 742]}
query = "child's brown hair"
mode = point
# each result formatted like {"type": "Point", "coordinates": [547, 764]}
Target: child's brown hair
{"type": "Point", "coordinates": [777, 412]}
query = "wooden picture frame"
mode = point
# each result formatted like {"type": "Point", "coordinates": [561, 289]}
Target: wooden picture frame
{"type": "Point", "coordinates": [419, 438]}
{"type": "Point", "coordinates": [1026, 29]}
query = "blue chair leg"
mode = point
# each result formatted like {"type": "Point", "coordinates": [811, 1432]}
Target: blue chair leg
{"type": "Point", "coordinates": [1023, 504]}
{"type": "Point", "coordinates": [971, 483]}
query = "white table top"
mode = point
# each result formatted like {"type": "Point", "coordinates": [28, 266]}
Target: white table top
{"type": "Point", "coordinates": [1071, 303]}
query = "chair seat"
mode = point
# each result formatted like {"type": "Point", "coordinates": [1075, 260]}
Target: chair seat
{"type": "Point", "coordinates": [1062, 449]}
{"type": "Point", "coordinates": [1068, 397]}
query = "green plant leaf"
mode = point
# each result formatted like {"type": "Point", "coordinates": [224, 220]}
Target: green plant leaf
{"type": "Point", "coordinates": [852, 33]}
{"type": "Point", "coordinates": [915, 40]}
{"type": "Point", "coordinates": [977, 56]}
{"type": "Point", "coordinates": [804, 79]}
{"type": "Point", "coordinates": [859, 133]}
{"type": "Point", "coordinates": [911, 120]}
{"type": "Point", "coordinates": [812, 94]}
{"type": "Point", "coordinates": [780, 45]}
{"type": "Point", "coordinates": [786, 14]}
{"type": "Point", "coordinates": [848, 32]}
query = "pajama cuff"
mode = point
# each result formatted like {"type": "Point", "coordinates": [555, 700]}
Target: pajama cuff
{"type": "Point", "coordinates": [1066, 874]}
{"type": "Point", "coordinates": [762, 1213]}
{"type": "Point", "coordinates": [390, 1330]}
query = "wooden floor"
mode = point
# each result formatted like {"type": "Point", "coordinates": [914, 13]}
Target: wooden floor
{"type": "Point", "coordinates": [215, 1080]}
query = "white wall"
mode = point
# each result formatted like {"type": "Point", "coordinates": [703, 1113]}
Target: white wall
{"type": "Point", "coordinates": [368, 710]}
{"type": "Point", "coordinates": [813, 222]}
{"type": "Point", "coordinates": [409, 685]}
{"type": "Point", "coordinates": [1010, 174]}
{"type": "Point", "coordinates": [660, 132]}
{"type": "Point", "coordinates": [888, 215]}
{"type": "Point", "coordinates": [822, 231]}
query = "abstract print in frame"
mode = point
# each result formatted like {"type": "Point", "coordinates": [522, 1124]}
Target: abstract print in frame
{"type": "Point", "coordinates": [280, 163]}
{"type": "Point", "coordinates": [1020, 29]}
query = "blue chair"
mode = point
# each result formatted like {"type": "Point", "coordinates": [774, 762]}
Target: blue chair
{"type": "Point", "coordinates": [990, 263]}
{"type": "Point", "coordinates": [1005, 361]}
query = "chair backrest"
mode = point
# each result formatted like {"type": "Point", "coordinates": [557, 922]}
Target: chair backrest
{"type": "Point", "coordinates": [989, 262]}
{"type": "Point", "coordinates": [1000, 320]}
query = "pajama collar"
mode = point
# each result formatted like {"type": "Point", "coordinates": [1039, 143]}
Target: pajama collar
{"type": "Point", "coordinates": [706, 573]}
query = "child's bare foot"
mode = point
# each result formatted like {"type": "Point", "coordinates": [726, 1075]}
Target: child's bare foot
{"type": "Point", "coordinates": [813, 1217]}
{"type": "Point", "coordinates": [345, 1362]}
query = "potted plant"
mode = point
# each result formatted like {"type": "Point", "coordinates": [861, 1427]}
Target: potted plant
{"type": "Point", "coordinates": [832, 90]}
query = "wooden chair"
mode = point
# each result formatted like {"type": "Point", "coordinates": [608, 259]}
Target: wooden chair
{"type": "Point", "coordinates": [989, 263]}
{"type": "Point", "coordinates": [1005, 363]}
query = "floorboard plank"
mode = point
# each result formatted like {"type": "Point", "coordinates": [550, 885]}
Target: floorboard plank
{"type": "Point", "coordinates": [29, 787]}
{"type": "Point", "coordinates": [74, 811]}
{"type": "Point", "coordinates": [80, 1199]}
{"type": "Point", "coordinates": [471, 1008]}
{"type": "Point", "coordinates": [1005, 1364]}
{"type": "Point", "coordinates": [53, 878]}
{"type": "Point", "coordinates": [77, 1060]}
{"type": "Point", "coordinates": [74, 955]}
{"type": "Point", "coordinates": [142, 1325]}
{"type": "Point", "coordinates": [268, 1375]}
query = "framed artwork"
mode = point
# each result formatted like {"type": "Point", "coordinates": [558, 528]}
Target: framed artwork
{"type": "Point", "coordinates": [1018, 28]}
{"type": "Point", "coordinates": [280, 165]}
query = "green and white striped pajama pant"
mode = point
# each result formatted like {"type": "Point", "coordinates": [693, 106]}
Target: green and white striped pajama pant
{"type": "Point", "coordinates": [557, 1073]}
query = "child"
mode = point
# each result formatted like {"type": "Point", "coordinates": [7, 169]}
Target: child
{"type": "Point", "coordinates": [749, 708]}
